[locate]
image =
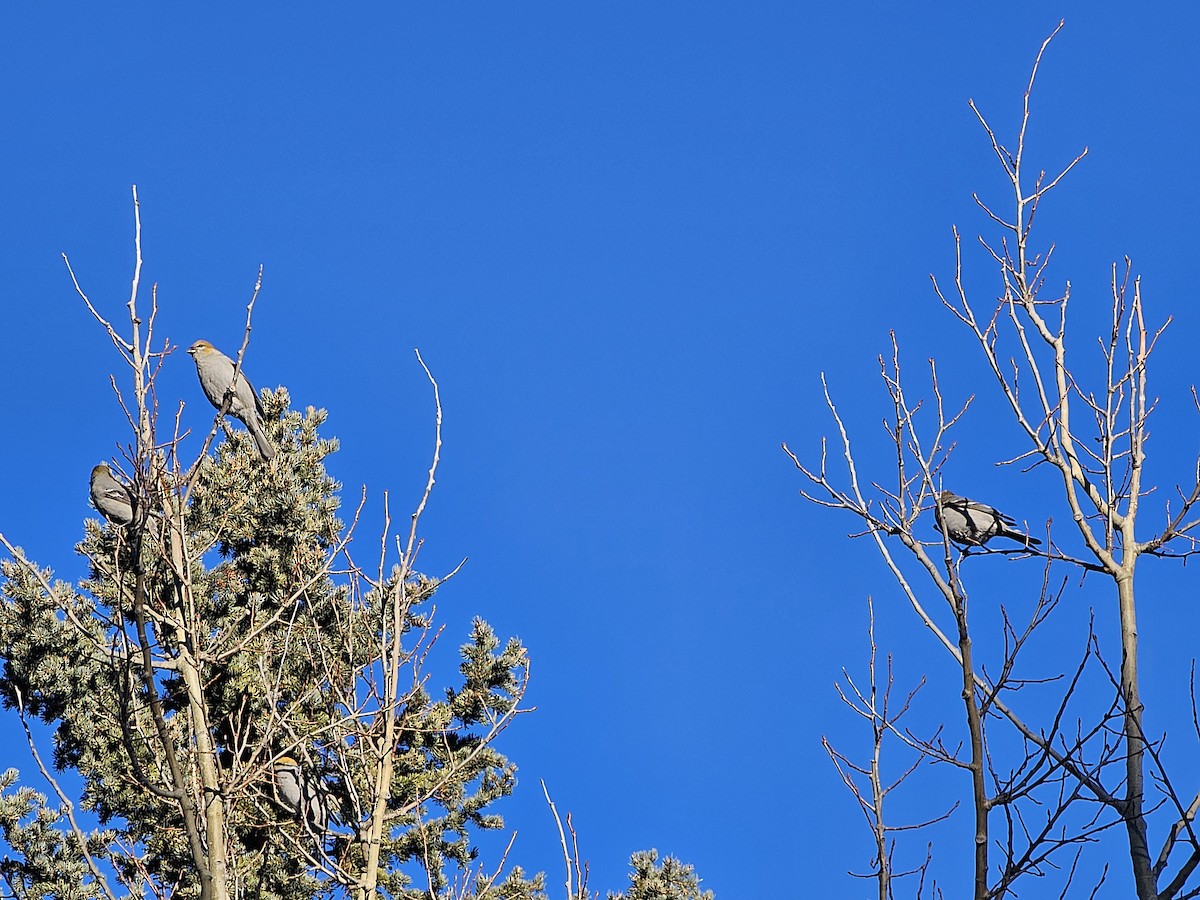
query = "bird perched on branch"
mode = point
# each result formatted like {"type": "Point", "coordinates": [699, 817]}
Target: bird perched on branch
{"type": "Point", "coordinates": [302, 794]}
{"type": "Point", "coordinates": [974, 524]}
{"type": "Point", "coordinates": [216, 378]}
{"type": "Point", "coordinates": [112, 498]}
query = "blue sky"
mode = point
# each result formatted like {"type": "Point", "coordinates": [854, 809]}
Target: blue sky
{"type": "Point", "coordinates": [627, 239]}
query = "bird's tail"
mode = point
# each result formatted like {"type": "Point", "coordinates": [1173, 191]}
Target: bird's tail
{"type": "Point", "coordinates": [1020, 537]}
{"type": "Point", "coordinates": [260, 438]}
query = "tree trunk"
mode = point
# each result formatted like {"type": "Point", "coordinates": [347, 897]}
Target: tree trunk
{"type": "Point", "coordinates": [1135, 745]}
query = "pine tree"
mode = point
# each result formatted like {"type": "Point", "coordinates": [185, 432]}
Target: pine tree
{"type": "Point", "coordinates": [668, 880]}
{"type": "Point", "coordinates": [205, 647]}
{"type": "Point", "coordinates": [246, 707]}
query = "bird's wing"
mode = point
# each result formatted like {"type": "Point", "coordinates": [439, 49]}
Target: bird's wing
{"type": "Point", "coordinates": [966, 508]}
{"type": "Point", "coordinates": [246, 391]}
{"type": "Point", "coordinates": [997, 517]}
{"type": "Point", "coordinates": [117, 492]}
{"type": "Point", "coordinates": [113, 489]}
{"type": "Point", "coordinates": [977, 518]}
{"type": "Point", "coordinates": [994, 513]}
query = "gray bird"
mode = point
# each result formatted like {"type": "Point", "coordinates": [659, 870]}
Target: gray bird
{"type": "Point", "coordinates": [216, 375]}
{"type": "Point", "coordinates": [974, 524]}
{"type": "Point", "coordinates": [302, 794]}
{"type": "Point", "coordinates": [113, 499]}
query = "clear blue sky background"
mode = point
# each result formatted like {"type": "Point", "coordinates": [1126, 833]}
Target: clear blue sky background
{"type": "Point", "coordinates": [627, 238]}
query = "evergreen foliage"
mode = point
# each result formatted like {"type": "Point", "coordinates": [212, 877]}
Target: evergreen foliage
{"type": "Point", "coordinates": [668, 880]}
{"type": "Point", "coordinates": [227, 628]}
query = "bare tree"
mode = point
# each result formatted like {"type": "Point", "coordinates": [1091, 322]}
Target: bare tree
{"type": "Point", "coordinates": [1083, 767]}
{"type": "Point", "coordinates": [867, 782]}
